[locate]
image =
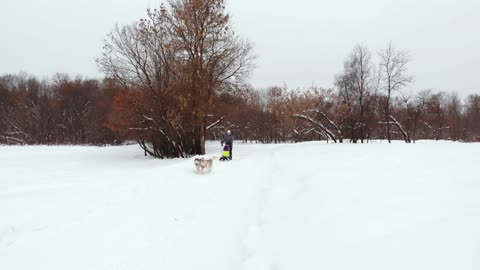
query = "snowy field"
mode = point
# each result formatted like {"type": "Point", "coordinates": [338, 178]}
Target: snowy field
{"type": "Point", "coordinates": [275, 207]}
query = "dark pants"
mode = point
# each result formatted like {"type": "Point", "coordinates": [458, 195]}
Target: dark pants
{"type": "Point", "coordinates": [230, 146]}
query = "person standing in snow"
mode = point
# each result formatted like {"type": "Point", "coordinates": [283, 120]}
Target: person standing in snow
{"type": "Point", "coordinates": [228, 140]}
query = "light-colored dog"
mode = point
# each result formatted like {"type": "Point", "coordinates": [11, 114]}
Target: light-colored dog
{"type": "Point", "coordinates": [203, 164]}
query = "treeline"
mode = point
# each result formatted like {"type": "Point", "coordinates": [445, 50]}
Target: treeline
{"type": "Point", "coordinates": [78, 111]}
{"type": "Point", "coordinates": [373, 99]}
{"type": "Point", "coordinates": [280, 114]}
{"type": "Point", "coordinates": [57, 111]}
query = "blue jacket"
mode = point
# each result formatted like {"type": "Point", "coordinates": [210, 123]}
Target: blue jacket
{"type": "Point", "coordinates": [228, 140]}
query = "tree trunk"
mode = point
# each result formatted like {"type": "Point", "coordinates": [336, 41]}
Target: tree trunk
{"type": "Point", "coordinates": [202, 139]}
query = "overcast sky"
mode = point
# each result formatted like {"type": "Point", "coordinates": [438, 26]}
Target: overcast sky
{"type": "Point", "coordinates": [299, 43]}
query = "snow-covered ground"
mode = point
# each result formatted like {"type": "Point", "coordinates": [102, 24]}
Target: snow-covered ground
{"type": "Point", "coordinates": [275, 207]}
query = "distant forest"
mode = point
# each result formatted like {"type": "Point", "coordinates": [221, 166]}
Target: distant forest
{"type": "Point", "coordinates": [179, 77]}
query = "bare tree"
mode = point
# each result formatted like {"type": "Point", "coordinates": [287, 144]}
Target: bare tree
{"type": "Point", "coordinates": [436, 115]}
{"type": "Point", "coordinates": [393, 66]}
{"type": "Point", "coordinates": [455, 111]}
{"type": "Point", "coordinates": [418, 107]}
{"type": "Point", "coordinates": [356, 83]}
{"type": "Point", "coordinates": [181, 57]}
{"type": "Point", "coordinates": [212, 58]}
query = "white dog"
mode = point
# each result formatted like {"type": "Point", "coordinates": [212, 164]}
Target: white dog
{"type": "Point", "coordinates": [204, 164]}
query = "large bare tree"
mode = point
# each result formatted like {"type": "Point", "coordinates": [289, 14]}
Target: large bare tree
{"type": "Point", "coordinates": [212, 56]}
{"type": "Point", "coordinates": [394, 77]}
{"type": "Point", "coordinates": [181, 57]}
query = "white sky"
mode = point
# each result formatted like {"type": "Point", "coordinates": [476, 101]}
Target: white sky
{"type": "Point", "coordinates": [299, 43]}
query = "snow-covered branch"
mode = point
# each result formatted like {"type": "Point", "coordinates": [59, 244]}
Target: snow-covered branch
{"type": "Point", "coordinates": [401, 128]}
{"type": "Point", "coordinates": [435, 131]}
{"type": "Point", "coordinates": [317, 124]}
{"type": "Point", "coordinates": [216, 123]}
